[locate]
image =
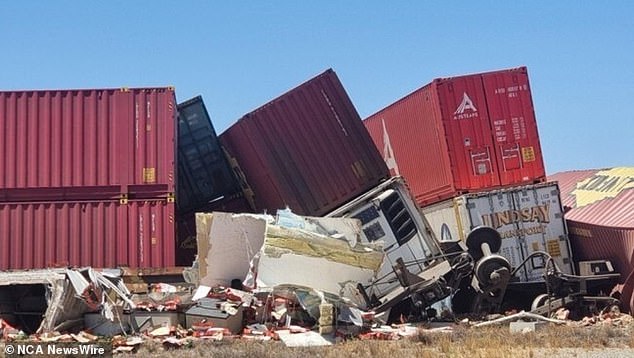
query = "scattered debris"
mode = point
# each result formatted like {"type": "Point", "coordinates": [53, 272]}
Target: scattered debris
{"type": "Point", "coordinates": [519, 316]}
{"type": "Point", "coordinates": [290, 278]}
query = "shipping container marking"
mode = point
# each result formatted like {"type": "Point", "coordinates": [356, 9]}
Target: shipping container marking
{"type": "Point", "coordinates": [604, 184]}
{"type": "Point", "coordinates": [539, 213]}
{"type": "Point", "coordinates": [466, 104]}
{"type": "Point", "coordinates": [388, 153]}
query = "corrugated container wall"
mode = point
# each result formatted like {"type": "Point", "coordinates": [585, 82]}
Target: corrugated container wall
{"type": "Point", "coordinates": [529, 218]}
{"type": "Point", "coordinates": [204, 174]}
{"type": "Point", "coordinates": [88, 138]}
{"type": "Point", "coordinates": [600, 215]}
{"type": "Point", "coordinates": [101, 234]}
{"type": "Point", "coordinates": [462, 134]}
{"type": "Point", "coordinates": [307, 149]}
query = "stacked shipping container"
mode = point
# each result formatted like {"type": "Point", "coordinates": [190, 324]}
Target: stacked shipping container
{"type": "Point", "coordinates": [462, 134]}
{"type": "Point", "coordinates": [307, 149]}
{"type": "Point", "coordinates": [88, 178]}
{"type": "Point", "coordinates": [469, 149]}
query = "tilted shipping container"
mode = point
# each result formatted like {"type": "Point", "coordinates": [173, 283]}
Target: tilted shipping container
{"type": "Point", "coordinates": [600, 215]}
{"type": "Point", "coordinates": [204, 174]}
{"type": "Point", "coordinates": [462, 134]}
{"type": "Point", "coordinates": [307, 149]}
{"type": "Point", "coordinates": [89, 138]}
{"type": "Point", "coordinates": [99, 233]}
{"type": "Point", "coordinates": [529, 219]}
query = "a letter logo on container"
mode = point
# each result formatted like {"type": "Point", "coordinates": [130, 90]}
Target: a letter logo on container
{"type": "Point", "coordinates": [466, 104]}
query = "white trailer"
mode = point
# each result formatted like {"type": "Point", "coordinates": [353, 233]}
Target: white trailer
{"type": "Point", "coordinates": [529, 219]}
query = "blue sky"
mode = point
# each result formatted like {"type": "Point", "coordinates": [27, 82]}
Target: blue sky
{"type": "Point", "coordinates": [238, 56]}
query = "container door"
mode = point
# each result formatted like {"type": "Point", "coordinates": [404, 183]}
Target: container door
{"type": "Point", "coordinates": [542, 227]}
{"type": "Point", "coordinates": [497, 210]}
{"type": "Point", "coordinates": [468, 132]}
{"type": "Point", "coordinates": [514, 127]}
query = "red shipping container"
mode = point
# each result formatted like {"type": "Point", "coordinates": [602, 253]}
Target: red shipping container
{"type": "Point", "coordinates": [307, 149]}
{"type": "Point", "coordinates": [89, 138]}
{"type": "Point", "coordinates": [462, 134]}
{"type": "Point", "coordinates": [101, 234]}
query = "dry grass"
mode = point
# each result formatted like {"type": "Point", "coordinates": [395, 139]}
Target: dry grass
{"type": "Point", "coordinates": [462, 342]}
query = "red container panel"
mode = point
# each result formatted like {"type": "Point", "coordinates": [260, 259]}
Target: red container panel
{"type": "Point", "coordinates": [442, 137]}
{"type": "Point", "coordinates": [307, 149]}
{"type": "Point", "coordinates": [88, 138]}
{"type": "Point", "coordinates": [512, 115]}
{"type": "Point", "coordinates": [101, 234]}
{"type": "Point", "coordinates": [410, 145]}
{"type": "Point", "coordinates": [600, 197]}
{"type": "Point", "coordinates": [597, 242]}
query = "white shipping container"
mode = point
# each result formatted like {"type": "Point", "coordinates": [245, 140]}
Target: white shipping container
{"type": "Point", "coordinates": [529, 218]}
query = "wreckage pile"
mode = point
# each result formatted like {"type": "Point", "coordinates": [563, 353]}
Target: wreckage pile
{"type": "Point", "coordinates": [286, 278]}
{"type": "Point", "coordinates": [298, 317]}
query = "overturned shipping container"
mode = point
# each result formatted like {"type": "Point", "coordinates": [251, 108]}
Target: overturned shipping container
{"type": "Point", "coordinates": [599, 207]}
{"type": "Point", "coordinates": [306, 149]}
{"type": "Point", "coordinates": [462, 134]}
{"type": "Point", "coordinates": [98, 233]}
{"type": "Point", "coordinates": [204, 174]}
{"type": "Point", "coordinates": [529, 219]}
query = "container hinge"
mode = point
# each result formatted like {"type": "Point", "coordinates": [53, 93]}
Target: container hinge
{"type": "Point", "coordinates": [471, 206]}
{"type": "Point", "coordinates": [558, 215]}
{"type": "Point", "coordinates": [566, 260]}
{"type": "Point", "coordinates": [123, 199]}
{"type": "Point", "coordinates": [171, 197]}
{"type": "Point", "coordinates": [562, 237]}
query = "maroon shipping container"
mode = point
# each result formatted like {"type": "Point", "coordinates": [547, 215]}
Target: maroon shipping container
{"type": "Point", "coordinates": [101, 234]}
{"type": "Point", "coordinates": [307, 149]}
{"type": "Point", "coordinates": [600, 215]}
{"type": "Point", "coordinates": [88, 138]}
{"type": "Point", "coordinates": [462, 134]}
